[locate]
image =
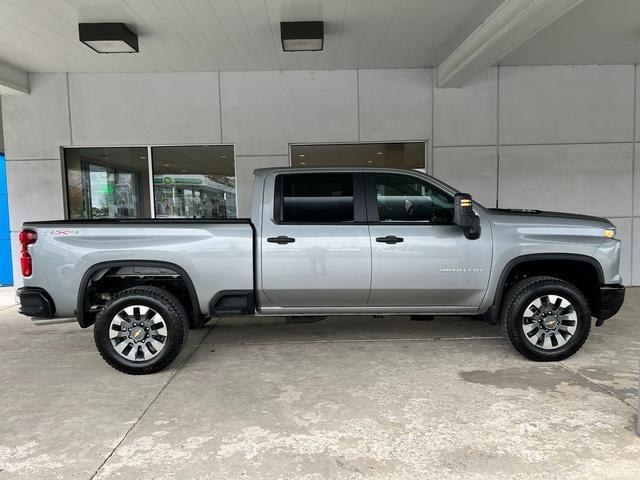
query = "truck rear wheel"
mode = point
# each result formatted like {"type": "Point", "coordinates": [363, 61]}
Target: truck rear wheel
{"type": "Point", "coordinates": [545, 318]}
{"type": "Point", "coordinates": [141, 330]}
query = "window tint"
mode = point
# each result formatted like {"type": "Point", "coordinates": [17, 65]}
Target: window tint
{"type": "Point", "coordinates": [407, 199]}
{"type": "Point", "coordinates": [314, 198]}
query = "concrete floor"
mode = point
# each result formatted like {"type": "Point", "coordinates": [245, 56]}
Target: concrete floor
{"type": "Point", "coordinates": [346, 398]}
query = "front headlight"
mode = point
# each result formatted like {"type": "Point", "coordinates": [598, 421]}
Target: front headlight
{"type": "Point", "coordinates": [610, 232]}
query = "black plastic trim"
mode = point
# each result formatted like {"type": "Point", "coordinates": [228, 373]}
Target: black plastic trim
{"type": "Point", "coordinates": [216, 307]}
{"type": "Point", "coordinates": [82, 306]}
{"type": "Point", "coordinates": [611, 300]}
{"type": "Point", "coordinates": [153, 221]}
{"type": "Point", "coordinates": [491, 316]}
{"type": "Point", "coordinates": [41, 306]}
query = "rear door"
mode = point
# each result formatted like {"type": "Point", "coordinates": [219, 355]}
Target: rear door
{"type": "Point", "coordinates": [315, 247]}
{"type": "Point", "coordinates": [419, 257]}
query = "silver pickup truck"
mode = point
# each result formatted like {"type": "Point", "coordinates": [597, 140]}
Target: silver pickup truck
{"type": "Point", "coordinates": [340, 241]}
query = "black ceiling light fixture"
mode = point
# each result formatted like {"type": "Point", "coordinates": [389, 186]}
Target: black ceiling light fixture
{"type": "Point", "coordinates": [302, 36]}
{"type": "Point", "coordinates": [108, 37]}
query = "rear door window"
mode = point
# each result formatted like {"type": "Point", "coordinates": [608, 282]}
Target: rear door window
{"type": "Point", "coordinates": [315, 198]}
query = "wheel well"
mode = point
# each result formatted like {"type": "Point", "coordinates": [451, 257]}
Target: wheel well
{"type": "Point", "coordinates": [583, 274]}
{"type": "Point", "coordinates": [103, 281]}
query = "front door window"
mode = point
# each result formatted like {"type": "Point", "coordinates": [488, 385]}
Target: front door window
{"type": "Point", "coordinates": [401, 198]}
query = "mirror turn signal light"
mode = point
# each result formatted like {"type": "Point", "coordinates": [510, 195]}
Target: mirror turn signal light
{"type": "Point", "coordinates": [610, 232]}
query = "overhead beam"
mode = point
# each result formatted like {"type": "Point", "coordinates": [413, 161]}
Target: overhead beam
{"type": "Point", "coordinates": [508, 27]}
{"type": "Point", "coordinates": [13, 81]}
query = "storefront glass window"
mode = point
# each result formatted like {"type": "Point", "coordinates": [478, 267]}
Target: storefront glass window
{"type": "Point", "coordinates": [194, 181]}
{"type": "Point", "coordinates": [408, 155]}
{"type": "Point", "coordinates": [188, 182]}
{"type": "Point", "coordinates": [107, 183]}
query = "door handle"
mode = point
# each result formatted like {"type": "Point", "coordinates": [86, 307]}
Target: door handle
{"type": "Point", "coordinates": [391, 239]}
{"type": "Point", "coordinates": [281, 240]}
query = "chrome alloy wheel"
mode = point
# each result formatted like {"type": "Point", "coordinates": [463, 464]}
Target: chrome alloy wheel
{"type": "Point", "coordinates": [138, 333]}
{"type": "Point", "coordinates": [549, 322]}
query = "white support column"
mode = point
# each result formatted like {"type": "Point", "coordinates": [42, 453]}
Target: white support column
{"type": "Point", "coordinates": [508, 27]}
{"type": "Point", "coordinates": [13, 81]}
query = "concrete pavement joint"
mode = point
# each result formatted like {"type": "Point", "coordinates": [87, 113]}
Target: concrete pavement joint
{"type": "Point", "coordinates": [173, 375]}
{"type": "Point", "coordinates": [612, 394]}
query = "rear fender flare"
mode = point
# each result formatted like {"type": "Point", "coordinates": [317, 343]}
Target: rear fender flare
{"type": "Point", "coordinates": [91, 271]}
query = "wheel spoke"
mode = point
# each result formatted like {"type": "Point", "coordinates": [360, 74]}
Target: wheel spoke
{"type": "Point", "coordinates": [563, 336]}
{"type": "Point", "coordinates": [139, 353]}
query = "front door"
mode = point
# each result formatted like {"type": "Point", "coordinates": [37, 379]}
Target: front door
{"type": "Point", "coordinates": [315, 249]}
{"type": "Point", "coordinates": [419, 257]}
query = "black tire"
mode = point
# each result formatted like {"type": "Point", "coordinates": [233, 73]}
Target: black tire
{"type": "Point", "coordinates": [520, 297]}
{"type": "Point", "coordinates": [172, 312]}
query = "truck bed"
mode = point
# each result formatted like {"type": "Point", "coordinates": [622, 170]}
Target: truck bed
{"type": "Point", "coordinates": [217, 255]}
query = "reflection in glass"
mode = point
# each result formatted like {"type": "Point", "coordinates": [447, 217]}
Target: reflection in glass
{"type": "Point", "coordinates": [194, 181]}
{"type": "Point", "coordinates": [107, 182]}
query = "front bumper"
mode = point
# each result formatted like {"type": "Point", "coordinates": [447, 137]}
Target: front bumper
{"type": "Point", "coordinates": [36, 302]}
{"type": "Point", "coordinates": [611, 300]}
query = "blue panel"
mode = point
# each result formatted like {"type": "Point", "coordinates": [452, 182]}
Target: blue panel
{"type": "Point", "coordinates": [6, 274]}
{"type": "Point", "coordinates": [6, 271]}
{"type": "Point", "coordinates": [3, 176]}
{"type": "Point", "coordinates": [4, 218]}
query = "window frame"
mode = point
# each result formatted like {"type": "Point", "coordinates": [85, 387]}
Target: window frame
{"type": "Point", "coordinates": [359, 206]}
{"type": "Point", "coordinates": [373, 217]}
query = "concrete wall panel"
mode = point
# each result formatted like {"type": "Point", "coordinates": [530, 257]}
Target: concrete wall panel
{"type": "Point", "coordinates": [636, 193]}
{"type": "Point", "coordinates": [262, 112]}
{"type": "Point", "coordinates": [469, 169]}
{"type": "Point", "coordinates": [244, 178]}
{"type": "Point", "coordinates": [159, 108]}
{"type": "Point", "coordinates": [36, 125]}
{"type": "Point", "coordinates": [35, 191]}
{"type": "Point", "coordinates": [624, 232]}
{"type": "Point", "coordinates": [590, 179]}
{"type": "Point", "coordinates": [566, 104]}
{"type": "Point", "coordinates": [395, 104]}
{"type": "Point", "coordinates": [467, 115]}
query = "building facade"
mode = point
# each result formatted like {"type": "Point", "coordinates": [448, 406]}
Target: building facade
{"type": "Point", "coordinates": [554, 138]}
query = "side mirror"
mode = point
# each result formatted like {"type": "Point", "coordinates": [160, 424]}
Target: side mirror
{"type": "Point", "coordinates": [464, 216]}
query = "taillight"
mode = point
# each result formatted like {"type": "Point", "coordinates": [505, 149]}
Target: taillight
{"type": "Point", "coordinates": [26, 237]}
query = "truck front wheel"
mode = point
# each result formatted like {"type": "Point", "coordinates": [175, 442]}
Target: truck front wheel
{"type": "Point", "coordinates": [545, 318]}
{"type": "Point", "coordinates": [141, 330]}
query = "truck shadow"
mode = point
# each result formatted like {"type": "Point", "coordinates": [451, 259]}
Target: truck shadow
{"type": "Point", "coordinates": [243, 330]}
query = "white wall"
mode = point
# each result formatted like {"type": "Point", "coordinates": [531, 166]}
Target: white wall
{"type": "Point", "coordinates": [558, 137]}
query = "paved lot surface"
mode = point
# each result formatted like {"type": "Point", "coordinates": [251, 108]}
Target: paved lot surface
{"type": "Point", "coordinates": [346, 398]}
{"type": "Point", "coordinates": [7, 296]}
